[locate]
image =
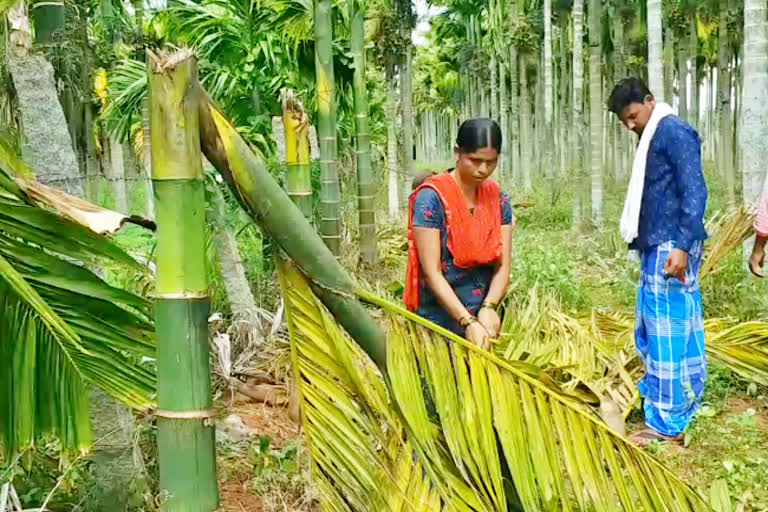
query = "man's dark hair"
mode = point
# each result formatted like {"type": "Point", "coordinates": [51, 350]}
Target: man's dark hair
{"type": "Point", "coordinates": [628, 90]}
{"type": "Point", "coordinates": [478, 133]}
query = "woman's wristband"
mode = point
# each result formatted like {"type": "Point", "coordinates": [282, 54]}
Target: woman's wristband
{"type": "Point", "coordinates": [489, 305]}
{"type": "Point", "coordinates": [467, 320]}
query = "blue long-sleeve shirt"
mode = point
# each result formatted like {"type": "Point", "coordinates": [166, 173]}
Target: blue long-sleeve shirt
{"type": "Point", "coordinates": [675, 193]}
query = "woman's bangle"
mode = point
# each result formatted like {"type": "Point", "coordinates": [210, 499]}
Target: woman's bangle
{"type": "Point", "coordinates": [466, 321]}
{"type": "Point", "coordinates": [490, 305]}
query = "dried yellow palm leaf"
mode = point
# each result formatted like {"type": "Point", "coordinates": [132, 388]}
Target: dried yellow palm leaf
{"type": "Point", "coordinates": [101, 87]}
{"type": "Point", "coordinates": [455, 426]}
{"type": "Point", "coordinates": [728, 231]}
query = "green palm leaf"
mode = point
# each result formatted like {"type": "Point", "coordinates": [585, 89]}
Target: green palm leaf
{"type": "Point", "coordinates": [481, 422]}
{"type": "Point", "coordinates": [62, 328]}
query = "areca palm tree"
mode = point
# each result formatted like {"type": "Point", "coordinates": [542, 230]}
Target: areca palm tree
{"type": "Point", "coordinates": [595, 110]}
{"type": "Point", "coordinates": [366, 182]}
{"type": "Point", "coordinates": [754, 115]}
{"type": "Point", "coordinates": [62, 328]}
{"type": "Point", "coordinates": [581, 198]}
{"type": "Point", "coordinates": [490, 435]}
{"type": "Point", "coordinates": [724, 123]}
{"type": "Point", "coordinates": [655, 62]}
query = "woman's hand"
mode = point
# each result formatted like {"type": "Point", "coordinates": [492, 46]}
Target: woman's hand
{"type": "Point", "coordinates": [490, 320]}
{"type": "Point", "coordinates": [477, 335]}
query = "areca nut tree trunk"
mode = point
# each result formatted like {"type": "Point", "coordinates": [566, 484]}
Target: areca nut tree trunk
{"type": "Point", "coordinates": [330, 191]}
{"type": "Point", "coordinates": [513, 124]}
{"type": "Point", "coordinates": [526, 160]}
{"type": "Point", "coordinates": [725, 145]}
{"type": "Point", "coordinates": [298, 183]}
{"type": "Point", "coordinates": [580, 200]}
{"type": "Point", "coordinates": [239, 294]}
{"type": "Point", "coordinates": [682, 78]}
{"type": "Point", "coordinates": [366, 179]}
{"type": "Point", "coordinates": [406, 107]}
{"type": "Point", "coordinates": [185, 438]}
{"type": "Point", "coordinates": [668, 61]}
{"type": "Point", "coordinates": [503, 117]}
{"type": "Point", "coordinates": [655, 50]}
{"type": "Point", "coordinates": [494, 107]}
{"type": "Point", "coordinates": [392, 169]}
{"type": "Point", "coordinates": [693, 53]}
{"type": "Point", "coordinates": [618, 71]}
{"type": "Point", "coordinates": [754, 110]}
{"type": "Point", "coordinates": [563, 102]}
{"type": "Point", "coordinates": [548, 94]}
{"type": "Point", "coordinates": [595, 110]}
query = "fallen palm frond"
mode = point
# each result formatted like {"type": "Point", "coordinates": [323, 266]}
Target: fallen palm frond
{"type": "Point", "coordinates": [727, 231]}
{"type": "Point", "coordinates": [740, 346]}
{"type": "Point", "coordinates": [482, 424]}
{"type": "Point", "coordinates": [597, 350]}
{"type": "Point", "coordinates": [62, 328]}
{"type": "Point", "coordinates": [575, 351]}
{"type": "Point", "coordinates": [392, 244]}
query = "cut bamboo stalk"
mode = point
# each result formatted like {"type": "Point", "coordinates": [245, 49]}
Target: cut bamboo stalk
{"type": "Point", "coordinates": [297, 155]}
{"type": "Point", "coordinates": [185, 438]}
{"type": "Point", "coordinates": [282, 220]}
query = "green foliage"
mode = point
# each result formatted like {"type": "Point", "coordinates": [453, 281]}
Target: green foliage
{"type": "Point", "coordinates": [62, 328]}
{"type": "Point", "coordinates": [727, 441]}
{"type": "Point", "coordinates": [275, 468]}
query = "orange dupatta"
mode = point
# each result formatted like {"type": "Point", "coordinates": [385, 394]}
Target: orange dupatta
{"type": "Point", "coordinates": [472, 239]}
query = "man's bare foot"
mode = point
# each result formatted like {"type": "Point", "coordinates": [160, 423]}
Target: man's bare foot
{"type": "Point", "coordinates": [646, 436]}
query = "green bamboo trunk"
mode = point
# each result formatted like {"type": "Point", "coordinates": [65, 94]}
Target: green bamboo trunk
{"type": "Point", "coordinates": [298, 183]}
{"type": "Point", "coordinates": [138, 8]}
{"type": "Point", "coordinates": [330, 192]}
{"type": "Point", "coordinates": [282, 220]}
{"type": "Point", "coordinates": [366, 180]}
{"type": "Point", "coordinates": [185, 437]}
{"type": "Point", "coordinates": [48, 17]}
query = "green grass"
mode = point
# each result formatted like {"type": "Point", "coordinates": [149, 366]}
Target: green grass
{"type": "Point", "coordinates": [728, 440]}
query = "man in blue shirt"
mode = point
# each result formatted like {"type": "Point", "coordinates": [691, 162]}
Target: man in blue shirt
{"type": "Point", "coordinates": [669, 332]}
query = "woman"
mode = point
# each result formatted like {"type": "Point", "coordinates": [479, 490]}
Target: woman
{"type": "Point", "coordinates": [460, 239]}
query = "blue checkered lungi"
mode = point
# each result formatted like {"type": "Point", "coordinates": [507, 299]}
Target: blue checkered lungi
{"type": "Point", "coordinates": [669, 336]}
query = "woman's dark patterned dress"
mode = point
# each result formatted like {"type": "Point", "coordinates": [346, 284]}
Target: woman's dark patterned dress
{"type": "Point", "coordinates": [471, 285]}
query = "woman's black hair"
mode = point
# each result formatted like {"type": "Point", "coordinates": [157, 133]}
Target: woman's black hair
{"type": "Point", "coordinates": [478, 133]}
{"type": "Point", "coordinates": [628, 90]}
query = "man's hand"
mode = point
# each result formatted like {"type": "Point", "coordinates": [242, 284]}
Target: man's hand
{"type": "Point", "coordinates": [490, 320]}
{"type": "Point", "coordinates": [676, 264]}
{"type": "Point", "coordinates": [758, 257]}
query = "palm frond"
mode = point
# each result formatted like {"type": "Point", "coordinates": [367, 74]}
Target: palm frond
{"type": "Point", "coordinates": [463, 425]}
{"type": "Point", "coordinates": [127, 89]}
{"type": "Point", "coordinates": [728, 230]}
{"type": "Point", "coordinates": [62, 328]}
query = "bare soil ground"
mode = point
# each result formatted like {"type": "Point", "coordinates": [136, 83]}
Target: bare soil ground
{"type": "Point", "coordinates": [240, 486]}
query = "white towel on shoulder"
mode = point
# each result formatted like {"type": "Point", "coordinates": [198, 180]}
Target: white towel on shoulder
{"type": "Point", "coordinates": [630, 217]}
